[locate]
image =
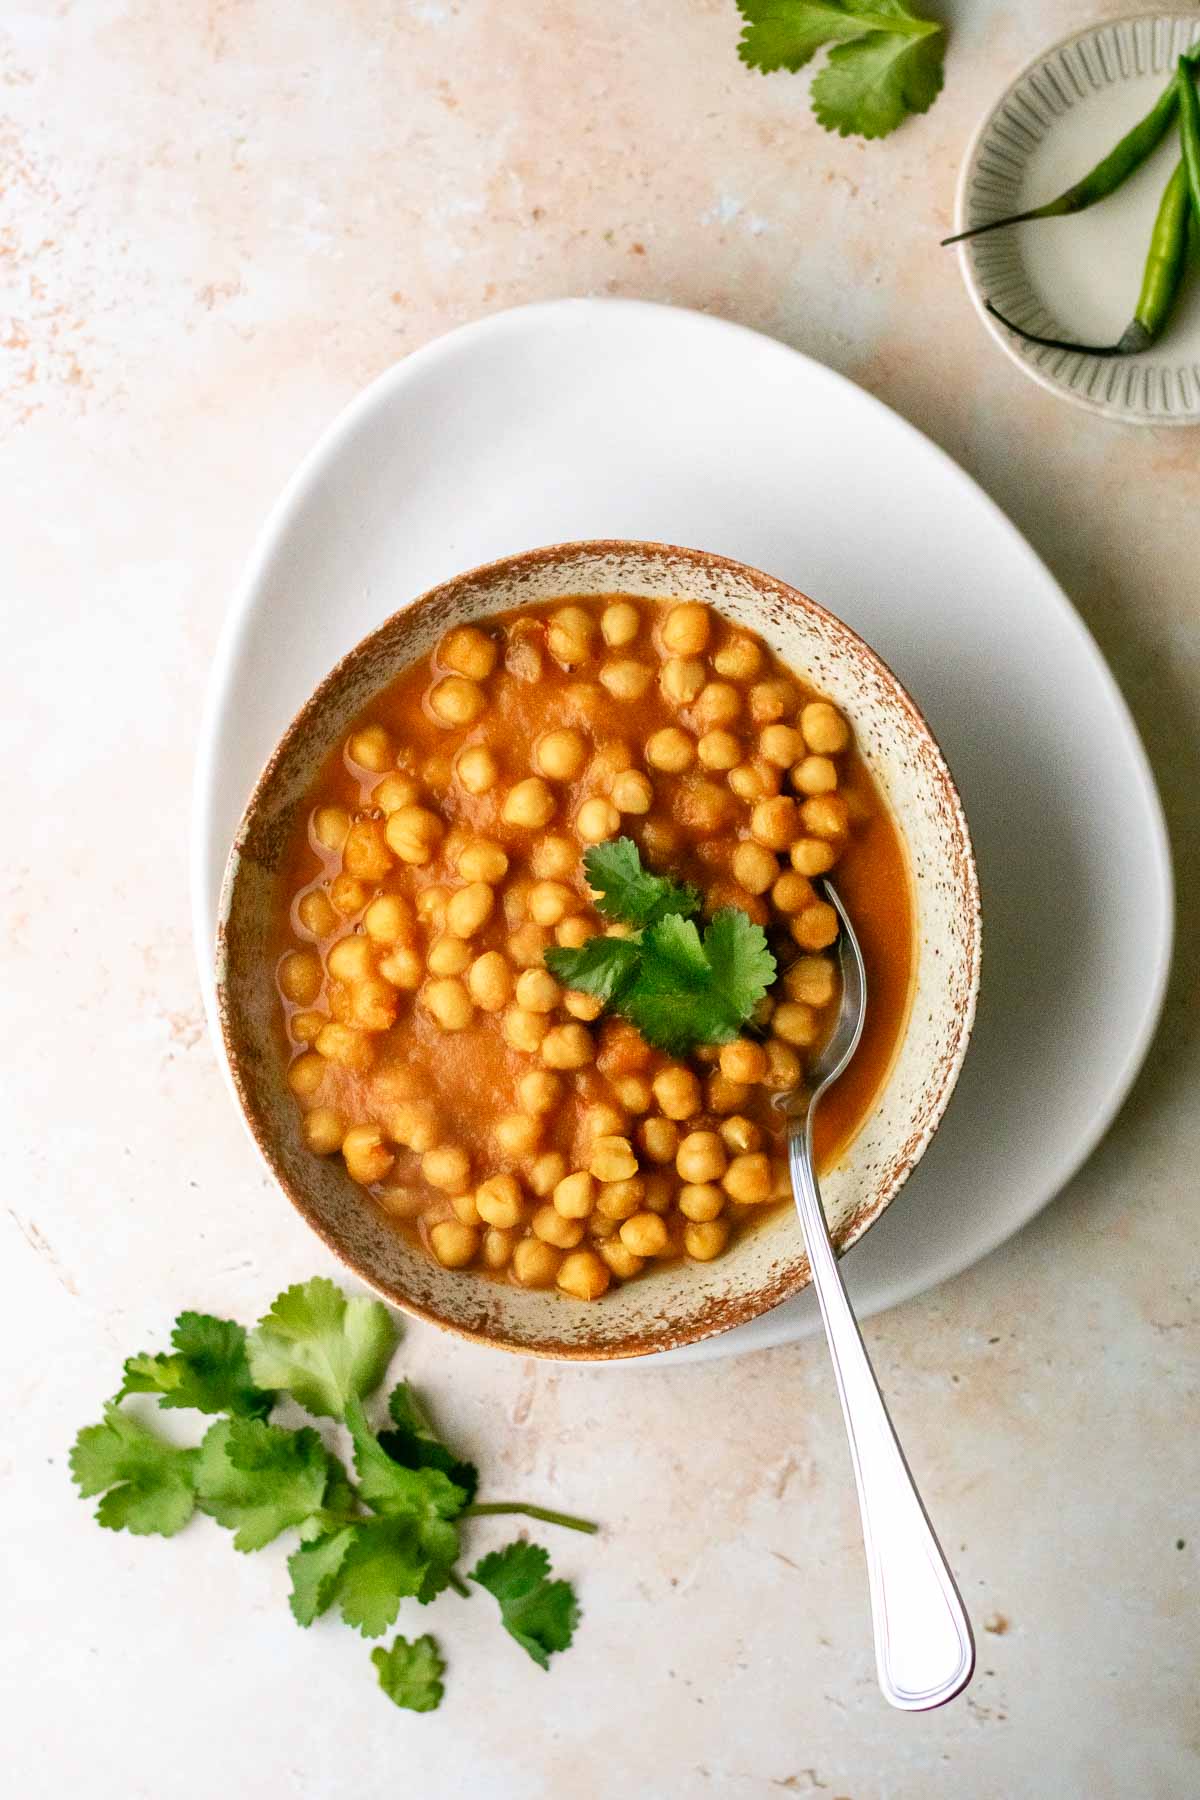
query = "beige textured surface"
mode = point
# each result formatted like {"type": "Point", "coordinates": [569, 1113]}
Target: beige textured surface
{"type": "Point", "coordinates": [215, 224]}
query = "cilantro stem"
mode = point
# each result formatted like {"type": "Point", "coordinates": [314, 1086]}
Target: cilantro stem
{"type": "Point", "coordinates": [459, 1585]}
{"type": "Point", "coordinates": [531, 1512]}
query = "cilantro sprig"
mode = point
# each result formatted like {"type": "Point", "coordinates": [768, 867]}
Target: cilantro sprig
{"type": "Point", "coordinates": [680, 988]}
{"type": "Point", "coordinates": [884, 61]}
{"type": "Point", "coordinates": [368, 1542]}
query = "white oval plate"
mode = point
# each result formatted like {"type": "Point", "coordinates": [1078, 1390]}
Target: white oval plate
{"type": "Point", "coordinates": [616, 418]}
{"type": "Point", "coordinates": [1078, 278]}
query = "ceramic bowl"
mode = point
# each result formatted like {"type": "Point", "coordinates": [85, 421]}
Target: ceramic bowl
{"type": "Point", "coordinates": [684, 1302]}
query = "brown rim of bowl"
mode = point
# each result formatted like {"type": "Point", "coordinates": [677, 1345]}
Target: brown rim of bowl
{"type": "Point", "coordinates": [638, 1343]}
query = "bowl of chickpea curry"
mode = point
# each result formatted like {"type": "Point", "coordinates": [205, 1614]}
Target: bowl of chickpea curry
{"type": "Point", "coordinates": [523, 939]}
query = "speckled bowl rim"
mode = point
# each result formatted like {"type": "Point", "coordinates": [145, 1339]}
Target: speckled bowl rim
{"type": "Point", "coordinates": [771, 1293]}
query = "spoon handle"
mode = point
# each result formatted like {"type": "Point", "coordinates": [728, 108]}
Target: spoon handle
{"type": "Point", "coordinates": [924, 1651]}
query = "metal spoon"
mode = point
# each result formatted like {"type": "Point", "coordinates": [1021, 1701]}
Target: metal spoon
{"type": "Point", "coordinates": [924, 1652]}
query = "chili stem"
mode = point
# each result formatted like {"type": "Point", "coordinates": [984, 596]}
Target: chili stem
{"type": "Point", "coordinates": [1110, 172]}
{"type": "Point", "coordinates": [490, 1507]}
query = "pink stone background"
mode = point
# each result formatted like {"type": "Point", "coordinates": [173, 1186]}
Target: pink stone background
{"type": "Point", "coordinates": [216, 223]}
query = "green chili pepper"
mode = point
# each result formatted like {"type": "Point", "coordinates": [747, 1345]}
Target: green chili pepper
{"type": "Point", "coordinates": [1189, 132]}
{"type": "Point", "coordinates": [1160, 280]}
{"type": "Point", "coordinates": [1108, 174]}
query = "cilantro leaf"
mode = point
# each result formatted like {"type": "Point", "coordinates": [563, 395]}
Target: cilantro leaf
{"type": "Point", "coordinates": [257, 1479]}
{"type": "Point", "coordinates": [384, 1563]}
{"type": "Point", "coordinates": [314, 1570]}
{"type": "Point", "coordinates": [884, 60]}
{"type": "Point", "coordinates": [603, 966]}
{"type": "Point", "coordinates": [324, 1348]}
{"type": "Point", "coordinates": [625, 890]}
{"type": "Point", "coordinates": [691, 991]}
{"type": "Point", "coordinates": [148, 1484]}
{"type": "Point", "coordinates": [411, 1674]}
{"type": "Point", "coordinates": [208, 1370]}
{"type": "Point", "coordinates": [390, 1487]}
{"type": "Point", "coordinates": [416, 1445]}
{"type": "Point", "coordinates": [540, 1614]}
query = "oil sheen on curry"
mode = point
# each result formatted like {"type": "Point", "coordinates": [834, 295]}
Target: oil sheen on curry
{"type": "Point", "coordinates": [516, 1125]}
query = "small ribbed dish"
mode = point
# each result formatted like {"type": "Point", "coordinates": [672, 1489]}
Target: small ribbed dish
{"type": "Point", "coordinates": [1078, 278]}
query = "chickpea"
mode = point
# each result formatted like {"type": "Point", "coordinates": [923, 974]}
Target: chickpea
{"type": "Point", "coordinates": [792, 892]}
{"type": "Point", "coordinates": [560, 755]}
{"type": "Point", "coordinates": [323, 1131]}
{"type": "Point", "coordinates": [464, 1208]}
{"type": "Point", "coordinates": [351, 959]}
{"type": "Point", "coordinates": [468, 651]}
{"type": "Point", "coordinates": [645, 1234]}
{"type": "Point", "coordinates": [498, 1247]}
{"type": "Point", "coordinates": [554, 858]}
{"type": "Point", "coordinates": [456, 702]}
{"type": "Point", "coordinates": [583, 1275]}
{"type": "Point", "coordinates": [659, 1139]}
{"type": "Point", "coordinates": [603, 1120]}
{"type": "Point", "coordinates": [524, 1030]}
{"type": "Point", "coordinates": [718, 704]}
{"type": "Point", "coordinates": [530, 804]}
{"type": "Point", "coordinates": [517, 1134]}
{"type": "Point", "coordinates": [773, 822]}
{"type": "Point", "coordinates": [454, 1244]}
{"type": "Point", "coordinates": [701, 1157]}
{"type": "Point", "coordinates": [704, 808]}
{"type": "Point", "coordinates": [342, 1044]}
{"type": "Point", "coordinates": [572, 934]}
{"type": "Point", "coordinates": [747, 1180]}
{"type": "Point", "coordinates": [539, 1091]}
{"type": "Point", "coordinates": [825, 816]}
{"type": "Point", "coordinates": [719, 750]}
{"type": "Point", "coordinates": [306, 1074]}
{"type": "Point", "coordinates": [706, 1240]}
{"type": "Point", "coordinates": [402, 967]}
{"type": "Point", "coordinates": [754, 867]}
{"type": "Point", "coordinates": [306, 1027]}
{"type": "Point", "coordinates": [670, 750]}
{"type": "Point", "coordinates": [783, 1067]}
{"type": "Point", "coordinates": [568, 1047]}
{"type": "Point", "coordinates": [546, 1171]}
{"type": "Point", "coordinates": [395, 791]}
{"type": "Point", "coordinates": [582, 1006]}
{"type": "Point", "coordinates": [527, 946]}
{"type": "Point", "coordinates": [553, 1228]}
{"type": "Point", "coordinates": [575, 1195]}
{"type": "Point", "coordinates": [499, 1201]}
{"type": "Point", "coordinates": [811, 856]}
{"type": "Point", "coordinates": [412, 832]}
{"type": "Point", "coordinates": [373, 1004]}
{"type": "Point", "coordinates": [816, 927]}
{"type": "Point", "coordinates": [447, 1167]}
{"type": "Point", "coordinates": [482, 860]}
{"type": "Point", "coordinates": [569, 637]}
{"type": "Point", "coordinates": [347, 895]}
{"type": "Point", "coordinates": [437, 772]}
{"type": "Point", "coordinates": [815, 775]}
{"type": "Point", "coordinates": [330, 826]}
{"type": "Point", "coordinates": [469, 910]}
{"type": "Point", "coordinates": [550, 901]}
{"type": "Point", "coordinates": [685, 629]}
{"type": "Point", "coordinates": [415, 1126]}
{"type": "Point", "coordinates": [367, 1157]}
{"type": "Point", "coordinates": [811, 979]}
{"type": "Point", "coordinates": [315, 914]}
{"type": "Point", "coordinates": [617, 1200]}
{"type": "Point", "coordinates": [743, 1060]}
{"type": "Point", "coordinates": [611, 759]}
{"type": "Point", "coordinates": [619, 624]}
{"type": "Point", "coordinates": [755, 780]}
{"type": "Point", "coordinates": [612, 1159]}
{"type": "Point", "coordinates": [633, 1092]}
{"type": "Point", "coordinates": [681, 679]}
{"type": "Point", "coordinates": [701, 1200]}
{"type": "Point", "coordinates": [448, 1001]}
{"type": "Point", "coordinates": [371, 748]}
{"type": "Point", "coordinates": [780, 744]}
{"type": "Point", "coordinates": [677, 1092]}
{"type": "Point", "coordinates": [476, 769]}
{"type": "Point", "coordinates": [625, 678]}
{"type": "Point", "coordinates": [596, 820]}
{"type": "Point", "coordinates": [824, 728]}
{"type": "Point", "coordinates": [738, 660]}
{"type": "Point", "coordinates": [739, 1134]}
{"type": "Point", "coordinates": [724, 1095]}
{"type": "Point", "coordinates": [300, 976]}
{"type": "Point", "coordinates": [621, 1260]}
{"type": "Point", "coordinates": [535, 1264]}
{"type": "Point", "coordinates": [364, 853]}
{"type": "Point", "coordinates": [795, 1023]}
{"type": "Point", "coordinates": [632, 792]}
{"type": "Point", "coordinates": [515, 901]}
{"type": "Point", "coordinates": [388, 920]}
{"type": "Point", "coordinates": [770, 700]}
